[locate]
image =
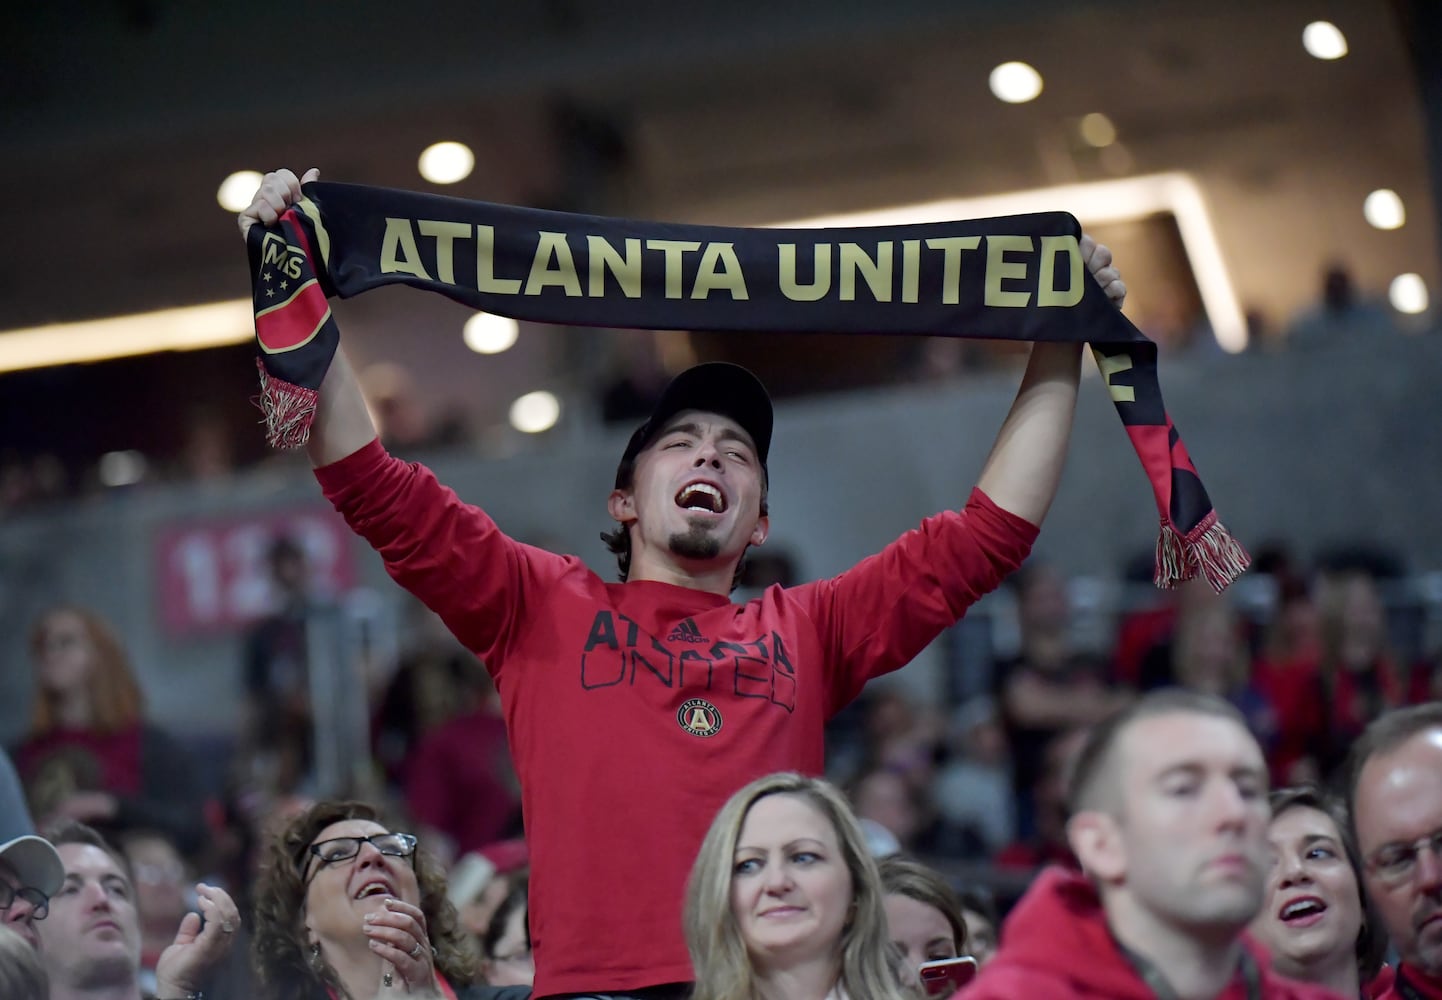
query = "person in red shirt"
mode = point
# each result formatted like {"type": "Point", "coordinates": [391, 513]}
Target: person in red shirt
{"type": "Point", "coordinates": [1358, 671]}
{"type": "Point", "coordinates": [635, 709]}
{"type": "Point", "coordinates": [90, 755]}
{"type": "Point", "coordinates": [1394, 784]}
{"type": "Point", "coordinates": [1168, 819]}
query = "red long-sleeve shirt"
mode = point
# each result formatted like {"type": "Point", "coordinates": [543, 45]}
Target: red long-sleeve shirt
{"type": "Point", "coordinates": [634, 710]}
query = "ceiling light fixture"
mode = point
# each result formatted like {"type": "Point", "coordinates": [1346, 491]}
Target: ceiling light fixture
{"type": "Point", "coordinates": [1408, 294]}
{"type": "Point", "coordinates": [1097, 130]}
{"type": "Point", "coordinates": [238, 190]}
{"type": "Point", "coordinates": [1015, 82]}
{"type": "Point", "coordinates": [535, 412]}
{"type": "Point", "coordinates": [189, 328]}
{"type": "Point", "coordinates": [487, 333]}
{"type": "Point", "coordinates": [1384, 210]}
{"type": "Point", "coordinates": [447, 162]}
{"type": "Point", "coordinates": [1324, 40]}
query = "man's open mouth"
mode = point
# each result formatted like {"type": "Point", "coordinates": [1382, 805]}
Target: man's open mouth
{"type": "Point", "coordinates": [702, 497]}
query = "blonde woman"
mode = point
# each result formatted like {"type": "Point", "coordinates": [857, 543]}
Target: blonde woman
{"type": "Point", "coordinates": [22, 974]}
{"type": "Point", "coordinates": [785, 903]}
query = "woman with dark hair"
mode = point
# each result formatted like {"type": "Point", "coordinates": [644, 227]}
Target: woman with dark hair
{"type": "Point", "coordinates": [90, 756]}
{"type": "Point", "coordinates": [348, 909]}
{"type": "Point", "coordinates": [506, 945]}
{"type": "Point", "coordinates": [923, 915]}
{"type": "Point", "coordinates": [1316, 920]}
{"type": "Point", "coordinates": [978, 909]}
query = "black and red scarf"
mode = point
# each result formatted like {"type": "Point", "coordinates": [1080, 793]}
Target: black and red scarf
{"type": "Point", "coordinates": [1007, 278]}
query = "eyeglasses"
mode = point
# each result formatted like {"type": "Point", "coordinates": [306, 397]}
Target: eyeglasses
{"type": "Point", "coordinates": [1396, 863]}
{"type": "Point", "coordinates": [396, 845]}
{"type": "Point", "coordinates": [39, 902]}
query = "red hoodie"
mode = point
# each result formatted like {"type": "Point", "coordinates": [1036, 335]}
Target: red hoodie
{"type": "Point", "coordinates": [1055, 944]}
{"type": "Point", "coordinates": [1411, 984]}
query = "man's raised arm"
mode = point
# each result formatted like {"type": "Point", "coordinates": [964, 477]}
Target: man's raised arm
{"type": "Point", "coordinates": [1022, 473]}
{"type": "Point", "coordinates": [343, 423]}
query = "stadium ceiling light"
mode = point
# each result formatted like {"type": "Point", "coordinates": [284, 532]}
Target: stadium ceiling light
{"type": "Point", "coordinates": [1408, 294]}
{"type": "Point", "coordinates": [487, 333]}
{"type": "Point", "coordinates": [535, 412]}
{"type": "Point", "coordinates": [1015, 82]}
{"type": "Point", "coordinates": [238, 190]}
{"type": "Point", "coordinates": [1384, 209]}
{"type": "Point", "coordinates": [447, 162]}
{"type": "Point", "coordinates": [189, 328]}
{"type": "Point", "coordinates": [1324, 40]}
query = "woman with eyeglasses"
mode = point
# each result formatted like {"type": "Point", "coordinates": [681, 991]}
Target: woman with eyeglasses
{"type": "Point", "coordinates": [1316, 921]}
{"type": "Point", "coordinates": [348, 909]}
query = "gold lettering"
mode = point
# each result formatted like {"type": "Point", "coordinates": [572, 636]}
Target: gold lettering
{"type": "Point", "coordinates": [729, 277]}
{"type": "Point", "coordinates": [821, 281]}
{"type": "Point", "coordinates": [952, 246]}
{"type": "Point", "coordinates": [699, 719]}
{"type": "Point", "coordinates": [398, 250]}
{"type": "Point", "coordinates": [910, 269]}
{"type": "Point", "coordinates": [999, 269]}
{"type": "Point", "coordinates": [553, 246]}
{"type": "Point", "coordinates": [673, 249]}
{"type": "Point", "coordinates": [292, 267]}
{"type": "Point", "coordinates": [1046, 294]}
{"type": "Point", "coordinates": [877, 272]}
{"type": "Point", "coordinates": [1113, 365]}
{"type": "Point", "coordinates": [626, 270]}
{"type": "Point", "coordinates": [445, 234]}
{"type": "Point", "coordinates": [272, 254]}
{"type": "Point", "coordinates": [486, 280]}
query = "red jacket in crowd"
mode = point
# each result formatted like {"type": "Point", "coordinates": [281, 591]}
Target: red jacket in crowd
{"type": "Point", "coordinates": [1056, 944]}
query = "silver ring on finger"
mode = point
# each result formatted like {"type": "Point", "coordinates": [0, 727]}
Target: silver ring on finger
{"type": "Point", "coordinates": [416, 951]}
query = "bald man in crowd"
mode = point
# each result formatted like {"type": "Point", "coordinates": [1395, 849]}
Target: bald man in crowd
{"type": "Point", "coordinates": [1395, 793]}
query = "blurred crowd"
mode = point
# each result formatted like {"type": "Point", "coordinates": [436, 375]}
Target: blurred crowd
{"type": "Point", "coordinates": [975, 786]}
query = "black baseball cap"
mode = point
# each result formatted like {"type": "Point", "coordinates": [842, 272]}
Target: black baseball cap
{"type": "Point", "coordinates": [715, 387]}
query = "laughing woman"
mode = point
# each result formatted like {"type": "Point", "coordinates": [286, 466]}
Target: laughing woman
{"type": "Point", "coordinates": [347, 909]}
{"type": "Point", "coordinates": [784, 901]}
{"type": "Point", "coordinates": [1316, 921]}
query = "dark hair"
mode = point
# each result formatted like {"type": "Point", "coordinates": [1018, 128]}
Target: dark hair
{"type": "Point", "coordinates": [1371, 944]}
{"type": "Point", "coordinates": [517, 897]}
{"type": "Point", "coordinates": [1093, 763]}
{"type": "Point", "coordinates": [618, 539]}
{"type": "Point", "coordinates": [72, 832]}
{"type": "Point", "coordinates": [914, 880]}
{"type": "Point", "coordinates": [1384, 734]}
{"type": "Point", "coordinates": [980, 899]}
{"type": "Point", "coordinates": [278, 946]}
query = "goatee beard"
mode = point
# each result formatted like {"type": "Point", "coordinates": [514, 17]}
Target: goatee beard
{"type": "Point", "coordinates": [697, 543]}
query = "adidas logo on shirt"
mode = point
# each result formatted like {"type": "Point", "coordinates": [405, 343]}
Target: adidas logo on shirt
{"type": "Point", "coordinates": [686, 632]}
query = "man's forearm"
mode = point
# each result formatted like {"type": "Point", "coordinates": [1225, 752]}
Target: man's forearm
{"type": "Point", "coordinates": [1024, 468]}
{"type": "Point", "coordinates": [342, 424]}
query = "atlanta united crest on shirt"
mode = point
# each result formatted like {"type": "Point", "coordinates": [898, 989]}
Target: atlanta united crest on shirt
{"type": "Point", "coordinates": [699, 717]}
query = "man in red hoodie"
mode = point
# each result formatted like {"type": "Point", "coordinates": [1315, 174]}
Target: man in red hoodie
{"type": "Point", "coordinates": [1394, 789]}
{"type": "Point", "coordinates": [1169, 814]}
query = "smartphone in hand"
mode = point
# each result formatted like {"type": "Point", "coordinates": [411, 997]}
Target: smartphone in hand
{"type": "Point", "coordinates": [945, 976]}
